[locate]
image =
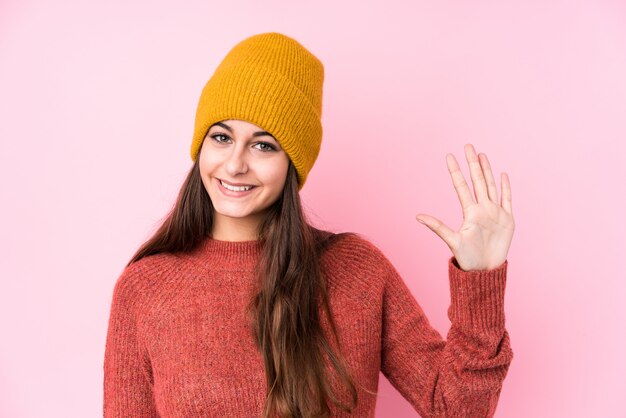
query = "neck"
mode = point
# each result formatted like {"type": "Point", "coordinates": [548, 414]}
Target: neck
{"type": "Point", "coordinates": [226, 228]}
{"type": "Point", "coordinates": [228, 255]}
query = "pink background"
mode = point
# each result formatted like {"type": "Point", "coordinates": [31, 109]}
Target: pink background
{"type": "Point", "coordinates": [97, 104]}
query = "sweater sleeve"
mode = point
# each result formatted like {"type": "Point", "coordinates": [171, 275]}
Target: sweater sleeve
{"type": "Point", "coordinates": [127, 371]}
{"type": "Point", "coordinates": [460, 377]}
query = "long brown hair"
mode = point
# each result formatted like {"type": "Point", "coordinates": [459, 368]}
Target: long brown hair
{"type": "Point", "coordinates": [284, 311]}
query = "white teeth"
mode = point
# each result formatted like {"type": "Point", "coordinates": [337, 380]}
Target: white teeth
{"type": "Point", "coordinates": [235, 188]}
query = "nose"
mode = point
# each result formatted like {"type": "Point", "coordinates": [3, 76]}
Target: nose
{"type": "Point", "coordinates": [236, 162]}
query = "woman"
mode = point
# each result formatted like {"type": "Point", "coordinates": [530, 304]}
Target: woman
{"type": "Point", "coordinates": [238, 307]}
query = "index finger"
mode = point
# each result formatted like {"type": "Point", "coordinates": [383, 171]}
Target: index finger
{"type": "Point", "coordinates": [460, 185]}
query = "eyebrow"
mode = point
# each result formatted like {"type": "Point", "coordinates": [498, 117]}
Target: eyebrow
{"type": "Point", "coordinates": [259, 133]}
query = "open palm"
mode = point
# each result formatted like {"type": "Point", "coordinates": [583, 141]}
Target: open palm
{"type": "Point", "coordinates": [484, 239]}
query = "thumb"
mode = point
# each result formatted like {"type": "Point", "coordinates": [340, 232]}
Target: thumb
{"type": "Point", "coordinates": [438, 227]}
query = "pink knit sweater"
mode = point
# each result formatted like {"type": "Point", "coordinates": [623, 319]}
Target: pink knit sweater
{"type": "Point", "coordinates": [178, 344]}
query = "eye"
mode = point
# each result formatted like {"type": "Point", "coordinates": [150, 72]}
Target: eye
{"type": "Point", "coordinates": [216, 136]}
{"type": "Point", "coordinates": [267, 147]}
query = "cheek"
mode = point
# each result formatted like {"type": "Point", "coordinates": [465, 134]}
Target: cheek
{"type": "Point", "coordinates": [276, 173]}
{"type": "Point", "coordinates": [207, 162]}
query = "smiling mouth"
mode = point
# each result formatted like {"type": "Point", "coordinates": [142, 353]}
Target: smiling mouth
{"type": "Point", "coordinates": [235, 188]}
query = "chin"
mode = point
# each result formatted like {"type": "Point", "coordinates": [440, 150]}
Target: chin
{"type": "Point", "coordinates": [236, 215]}
{"type": "Point", "coordinates": [231, 212]}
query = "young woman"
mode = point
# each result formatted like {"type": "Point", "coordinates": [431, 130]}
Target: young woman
{"type": "Point", "coordinates": [238, 307]}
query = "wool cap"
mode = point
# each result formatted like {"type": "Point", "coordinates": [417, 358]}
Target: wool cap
{"type": "Point", "coordinates": [274, 82]}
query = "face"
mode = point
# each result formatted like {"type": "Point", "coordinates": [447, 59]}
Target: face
{"type": "Point", "coordinates": [243, 170]}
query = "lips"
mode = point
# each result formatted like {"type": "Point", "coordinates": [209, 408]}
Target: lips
{"type": "Point", "coordinates": [237, 184]}
{"type": "Point", "coordinates": [232, 193]}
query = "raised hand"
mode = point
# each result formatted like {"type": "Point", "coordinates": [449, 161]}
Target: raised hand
{"type": "Point", "coordinates": [484, 239]}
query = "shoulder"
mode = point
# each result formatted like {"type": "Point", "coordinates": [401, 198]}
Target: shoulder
{"type": "Point", "coordinates": [351, 259]}
{"type": "Point", "coordinates": [353, 247]}
{"type": "Point", "coordinates": [140, 278]}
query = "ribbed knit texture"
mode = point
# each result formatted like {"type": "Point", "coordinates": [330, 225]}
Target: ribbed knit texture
{"type": "Point", "coordinates": [178, 343]}
{"type": "Point", "coordinates": [274, 82]}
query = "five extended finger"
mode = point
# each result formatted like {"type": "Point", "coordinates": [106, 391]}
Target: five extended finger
{"type": "Point", "coordinates": [506, 202]}
{"type": "Point", "coordinates": [439, 228]}
{"type": "Point", "coordinates": [492, 188]}
{"type": "Point", "coordinates": [476, 173]}
{"type": "Point", "coordinates": [460, 185]}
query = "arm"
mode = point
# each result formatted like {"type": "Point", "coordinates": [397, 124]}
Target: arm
{"type": "Point", "coordinates": [127, 371]}
{"type": "Point", "coordinates": [463, 376]}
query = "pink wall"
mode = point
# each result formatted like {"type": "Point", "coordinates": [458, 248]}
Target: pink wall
{"type": "Point", "coordinates": [97, 105]}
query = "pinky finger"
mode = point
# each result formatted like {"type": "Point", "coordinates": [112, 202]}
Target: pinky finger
{"type": "Point", "coordinates": [505, 196]}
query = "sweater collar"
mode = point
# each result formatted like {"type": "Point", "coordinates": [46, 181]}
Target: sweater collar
{"type": "Point", "coordinates": [229, 255]}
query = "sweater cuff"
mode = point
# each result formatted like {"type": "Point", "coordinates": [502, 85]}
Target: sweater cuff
{"type": "Point", "coordinates": [477, 296]}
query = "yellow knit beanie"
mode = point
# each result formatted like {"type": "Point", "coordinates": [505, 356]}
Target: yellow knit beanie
{"type": "Point", "coordinates": [272, 81]}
